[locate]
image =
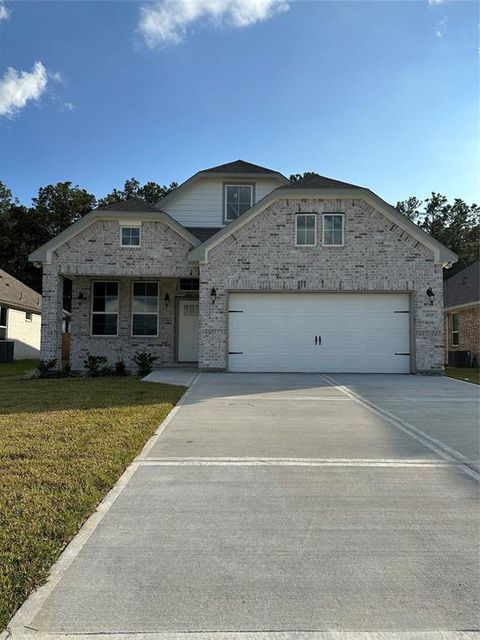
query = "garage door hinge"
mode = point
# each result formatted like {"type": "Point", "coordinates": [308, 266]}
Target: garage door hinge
{"type": "Point", "coordinates": [235, 353]}
{"type": "Point", "coordinates": [402, 354]}
{"type": "Point", "coordinates": [234, 311]}
{"type": "Point", "coordinates": [401, 312]}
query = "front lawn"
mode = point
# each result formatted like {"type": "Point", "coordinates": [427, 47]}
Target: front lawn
{"type": "Point", "coordinates": [467, 374]}
{"type": "Point", "coordinates": [63, 444]}
{"type": "Point", "coordinates": [17, 367]}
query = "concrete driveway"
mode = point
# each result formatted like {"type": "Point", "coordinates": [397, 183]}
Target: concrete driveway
{"type": "Point", "coordinates": [287, 506]}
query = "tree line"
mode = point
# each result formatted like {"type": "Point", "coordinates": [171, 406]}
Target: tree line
{"type": "Point", "coordinates": [56, 206]}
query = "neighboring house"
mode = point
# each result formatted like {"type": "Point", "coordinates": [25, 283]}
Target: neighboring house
{"type": "Point", "coordinates": [461, 298]}
{"type": "Point", "coordinates": [240, 269]}
{"type": "Point", "coordinates": [20, 315]}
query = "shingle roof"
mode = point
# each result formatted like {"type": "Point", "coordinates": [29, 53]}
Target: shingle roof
{"type": "Point", "coordinates": [463, 287]}
{"type": "Point", "coordinates": [203, 233]}
{"type": "Point", "coordinates": [14, 293]}
{"type": "Point", "coordinates": [319, 182]}
{"type": "Point", "coordinates": [239, 166]}
{"type": "Point", "coordinates": [132, 204]}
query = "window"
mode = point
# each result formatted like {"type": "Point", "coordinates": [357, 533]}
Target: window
{"type": "Point", "coordinates": [333, 224]}
{"type": "Point", "coordinates": [105, 309]}
{"type": "Point", "coordinates": [130, 236]}
{"type": "Point", "coordinates": [306, 229]}
{"type": "Point", "coordinates": [145, 309]}
{"type": "Point", "coordinates": [188, 284]}
{"type": "Point", "coordinates": [238, 198]}
{"type": "Point", "coordinates": [3, 323]}
{"type": "Point", "coordinates": [455, 332]}
{"type": "Point", "coordinates": [28, 316]}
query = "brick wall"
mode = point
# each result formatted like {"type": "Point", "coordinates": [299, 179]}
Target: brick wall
{"type": "Point", "coordinates": [377, 256]}
{"type": "Point", "coordinates": [468, 331]}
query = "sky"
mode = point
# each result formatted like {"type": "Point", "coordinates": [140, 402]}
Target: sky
{"type": "Point", "coordinates": [384, 94]}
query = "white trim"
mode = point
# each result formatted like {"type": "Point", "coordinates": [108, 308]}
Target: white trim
{"type": "Point", "coordinates": [342, 215]}
{"type": "Point", "coordinates": [461, 307]}
{"type": "Point", "coordinates": [225, 200]}
{"type": "Point", "coordinates": [139, 313]}
{"type": "Point", "coordinates": [315, 216]}
{"type": "Point", "coordinates": [105, 335]}
{"type": "Point", "coordinates": [131, 226]}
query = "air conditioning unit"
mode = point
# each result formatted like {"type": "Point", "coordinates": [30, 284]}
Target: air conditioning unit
{"type": "Point", "coordinates": [459, 358]}
{"type": "Point", "coordinates": [6, 351]}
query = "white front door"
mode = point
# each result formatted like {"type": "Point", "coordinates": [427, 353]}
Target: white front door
{"type": "Point", "coordinates": [188, 331]}
{"type": "Point", "coordinates": [330, 332]}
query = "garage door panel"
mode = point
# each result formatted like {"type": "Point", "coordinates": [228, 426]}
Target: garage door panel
{"type": "Point", "coordinates": [359, 332]}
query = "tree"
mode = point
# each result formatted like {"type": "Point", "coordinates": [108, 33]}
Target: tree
{"type": "Point", "coordinates": [151, 192]}
{"type": "Point", "coordinates": [60, 205]}
{"type": "Point", "coordinates": [295, 177]}
{"type": "Point", "coordinates": [455, 225]}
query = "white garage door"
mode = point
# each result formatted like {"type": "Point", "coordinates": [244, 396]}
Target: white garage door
{"type": "Point", "coordinates": [330, 332]}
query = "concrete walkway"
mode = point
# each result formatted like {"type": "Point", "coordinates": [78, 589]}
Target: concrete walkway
{"type": "Point", "coordinates": [285, 506]}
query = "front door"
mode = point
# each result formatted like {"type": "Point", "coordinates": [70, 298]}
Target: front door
{"type": "Point", "coordinates": [188, 331]}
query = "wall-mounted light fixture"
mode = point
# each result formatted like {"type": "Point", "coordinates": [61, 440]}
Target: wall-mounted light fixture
{"type": "Point", "coordinates": [167, 299]}
{"type": "Point", "coordinates": [431, 295]}
{"type": "Point", "coordinates": [213, 295]}
{"type": "Point", "coordinates": [81, 297]}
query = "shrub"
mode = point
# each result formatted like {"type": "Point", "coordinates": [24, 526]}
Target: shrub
{"type": "Point", "coordinates": [144, 362]}
{"type": "Point", "coordinates": [92, 365]}
{"type": "Point", "coordinates": [121, 368]}
{"type": "Point", "coordinates": [45, 367]}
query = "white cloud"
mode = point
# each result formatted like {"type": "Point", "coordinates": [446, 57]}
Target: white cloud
{"type": "Point", "coordinates": [435, 1]}
{"type": "Point", "coordinates": [441, 27]}
{"type": "Point", "coordinates": [168, 21]}
{"type": "Point", "coordinates": [19, 87]}
{"type": "Point", "coordinates": [4, 12]}
{"type": "Point", "coordinates": [69, 106]}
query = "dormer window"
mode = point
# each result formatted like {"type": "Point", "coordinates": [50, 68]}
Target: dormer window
{"type": "Point", "coordinates": [130, 236]}
{"type": "Point", "coordinates": [238, 198]}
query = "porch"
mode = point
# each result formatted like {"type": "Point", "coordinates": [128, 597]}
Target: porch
{"type": "Point", "coordinates": [116, 317]}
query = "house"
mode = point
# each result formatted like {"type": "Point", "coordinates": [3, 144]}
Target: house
{"type": "Point", "coordinates": [240, 269]}
{"type": "Point", "coordinates": [20, 314]}
{"type": "Point", "coordinates": [461, 294]}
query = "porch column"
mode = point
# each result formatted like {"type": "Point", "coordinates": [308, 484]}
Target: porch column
{"type": "Point", "coordinates": [52, 314]}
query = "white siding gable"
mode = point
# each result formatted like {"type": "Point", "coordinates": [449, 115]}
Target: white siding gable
{"type": "Point", "coordinates": [201, 205]}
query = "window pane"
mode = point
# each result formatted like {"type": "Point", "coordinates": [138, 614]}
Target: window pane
{"type": "Point", "coordinates": [145, 324]}
{"type": "Point", "coordinates": [301, 222]}
{"type": "Point", "coordinates": [232, 211]}
{"type": "Point", "coordinates": [232, 194]}
{"type": "Point", "coordinates": [455, 323]}
{"type": "Point", "coordinates": [3, 316]}
{"type": "Point", "coordinates": [111, 304]}
{"type": "Point", "coordinates": [337, 236]}
{"type": "Point", "coordinates": [111, 288]}
{"type": "Point", "coordinates": [245, 195]}
{"type": "Point", "coordinates": [151, 289]}
{"type": "Point", "coordinates": [310, 236]}
{"type": "Point", "coordinates": [337, 222]}
{"type": "Point", "coordinates": [327, 236]}
{"type": "Point", "coordinates": [310, 222]}
{"type": "Point", "coordinates": [99, 288]}
{"type": "Point", "coordinates": [104, 324]}
{"type": "Point", "coordinates": [99, 304]}
{"type": "Point", "coordinates": [130, 236]}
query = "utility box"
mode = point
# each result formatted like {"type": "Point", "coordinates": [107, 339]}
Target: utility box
{"type": "Point", "coordinates": [459, 358]}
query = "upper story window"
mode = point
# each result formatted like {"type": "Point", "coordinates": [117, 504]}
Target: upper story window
{"type": "Point", "coordinates": [130, 236]}
{"type": "Point", "coordinates": [455, 331]}
{"type": "Point", "coordinates": [238, 198]}
{"type": "Point", "coordinates": [105, 309]}
{"type": "Point", "coordinates": [306, 229]}
{"type": "Point", "coordinates": [333, 229]}
{"type": "Point", "coordinates": [145, 309]}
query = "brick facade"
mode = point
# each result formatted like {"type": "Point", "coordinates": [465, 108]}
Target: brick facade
{"type": "Point", "coordinates": [468, 331]}
{"type": "Point", "coordinates": [377, 256]}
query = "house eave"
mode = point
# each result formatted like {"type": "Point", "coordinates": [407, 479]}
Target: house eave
{"type": "Point", "coordinates": [43, 255]}
{"type": "Point", "coordinates": [461, 307]}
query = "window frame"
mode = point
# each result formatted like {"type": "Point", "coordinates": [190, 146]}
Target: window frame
{"type": "Point", "coordinates": [146, 313]}
{"type": "Point", "coordinates": [333, 213]}
{"type": "Point", "coordinates": [104, 335]}
{"type": "Point", "coordinates": [251, 185]}
{"type": "Point", "coordinates": [131, 226]}
{"type": "Point", "coordinates": [305, 214]}
{"type": "Point", "coordinates": [454, 333]}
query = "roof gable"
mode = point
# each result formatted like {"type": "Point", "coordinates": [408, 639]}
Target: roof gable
{"type": "Point", "coordinates": [315, 181]}
{"type": "Point", "coordinates": [238, 166]}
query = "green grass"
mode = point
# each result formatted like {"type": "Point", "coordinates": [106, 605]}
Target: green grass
{"type": "Point", "coordinates": [469, 375]}
{"type": "Point", "coordinates": [63, 444]}
{"type": "Point", "coordinates": [17, 367]}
